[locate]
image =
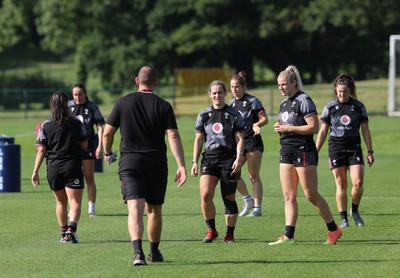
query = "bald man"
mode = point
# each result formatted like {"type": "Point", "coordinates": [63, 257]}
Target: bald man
{"type": "Point", "coordinates": [144, 119]}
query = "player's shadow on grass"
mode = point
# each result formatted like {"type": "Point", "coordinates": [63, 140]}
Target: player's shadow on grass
{"type": "Point", "coordinates": [252, 261]}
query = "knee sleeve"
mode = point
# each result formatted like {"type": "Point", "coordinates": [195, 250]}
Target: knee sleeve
{"type": "Point", "coordinates": [230, 207]}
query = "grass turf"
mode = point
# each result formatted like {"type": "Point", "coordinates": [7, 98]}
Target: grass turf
{"type": "Point", "coordinates": [29, 235]}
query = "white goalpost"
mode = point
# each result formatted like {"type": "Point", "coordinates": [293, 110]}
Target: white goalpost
{"type": "Point", "coordinates": [393, 107]}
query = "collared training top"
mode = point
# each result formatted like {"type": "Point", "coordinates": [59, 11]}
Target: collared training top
{"type": "Point", "coordinates": [344, 120]}
{"type": "Point", "coordinates": [293, 111]}
{"type": "Point", "coordinates": [90, 114]}
{"type": "Point", "coordinates": [220, 127]}
{"type": "Point", "coordinates": [249, 107]}
{"type": "Point", "coordinates": [62, 141]}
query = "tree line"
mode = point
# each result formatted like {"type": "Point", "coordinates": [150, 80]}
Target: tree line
{"type": "Point", "coordinates": [112, 38]}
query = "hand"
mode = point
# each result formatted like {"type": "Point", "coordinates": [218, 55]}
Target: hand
{"type": "Point", "coordinates": [256, 129]}
{"type": "Point", "coordinates": [278, 128]}
{"type": "Point", "coordinates": [195, 169]}
{"type": "Point", "coordinates": [180, 176]}
{"type": "Point", "coordinates": [35, 180]}
{"type": "Point", "coordinates": [110, 158]}
{"type": "Point", "coordinates": [99, 153]}
{"type": "Point", "coordinates": [370, 159]}
{"type": "Point", "coordinates": [236, 166]}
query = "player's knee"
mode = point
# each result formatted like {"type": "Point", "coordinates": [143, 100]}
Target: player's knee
{"type": "Point", "coordinates": [230, 206]}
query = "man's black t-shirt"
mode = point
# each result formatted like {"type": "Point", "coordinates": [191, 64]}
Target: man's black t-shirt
{"type": "Point", "coordinates": [142, 118]}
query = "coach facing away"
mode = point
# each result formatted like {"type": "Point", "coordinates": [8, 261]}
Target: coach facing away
{"type": "Point", "coordinates": [143, 119]}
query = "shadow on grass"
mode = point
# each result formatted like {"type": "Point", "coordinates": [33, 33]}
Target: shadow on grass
{"type": "Point", "coordinates": [251, 261]}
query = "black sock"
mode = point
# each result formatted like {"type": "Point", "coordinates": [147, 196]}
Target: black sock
{"type": "Point", "coordinates": [354, 208]}
{"type": "Point", "coordinates": [289, 231]}
{"type": "Point", "coordinates": [211, 224]}
{"type": "Point", "coordinates": [73, 226]}
{"type": "Point", "coordinates": [343, 214]}
{"type": "Point", "coordinates": [154, 247]}
{"type": "Point", "coordinates": [63, 229]}
{"type": "Point", "coordinates": [331, 226]}
{"type": "Point", "coordinates": [137, 245]}
{"type": "Point", "coordinates": [230, 230]}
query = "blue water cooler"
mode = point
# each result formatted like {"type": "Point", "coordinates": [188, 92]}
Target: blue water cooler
{"type": "Point", "coordinates": [10, 165]}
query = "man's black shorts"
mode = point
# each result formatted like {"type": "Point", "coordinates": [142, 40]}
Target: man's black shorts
{"type": "Point", "coordinates": [149, 184]}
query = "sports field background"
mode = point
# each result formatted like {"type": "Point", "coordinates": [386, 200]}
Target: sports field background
{"type": "Point", "coordinates": [29, 234]}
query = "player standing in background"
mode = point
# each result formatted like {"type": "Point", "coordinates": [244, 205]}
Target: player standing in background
{"type": "Point", "coordinates": [89, 113]}
{"type": "Point", "coordinates": [254, 117]}
{"type": "Point", "coordinates": [344, 116]}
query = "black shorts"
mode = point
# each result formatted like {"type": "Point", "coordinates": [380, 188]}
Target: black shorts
{"type": "Point", "coordinates": [299, 159]}
{"type": "Point", "coordinates": [345, 158]}
{"type": "Point", "coordinates": [253, 144]}
{"type": "Point", "coordinates": [221, 167]}
{"type": "Point", "coordinates": [68, 175]}
{"type": "Point", "coordinates": [149, 184]}
{"type": "Point", "coordinates": [90, 152]}
{"type": "Point", "coordinates": [344, 154]}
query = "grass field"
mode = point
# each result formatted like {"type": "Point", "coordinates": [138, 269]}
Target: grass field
{"type": "Point", "coordinates": [29, 235]}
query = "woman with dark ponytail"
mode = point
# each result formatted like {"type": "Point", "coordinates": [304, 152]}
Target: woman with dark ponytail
{"type": "Point", "coordinates": [62, 138]}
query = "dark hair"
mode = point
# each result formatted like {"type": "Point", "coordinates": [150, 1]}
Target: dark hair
{"type": "Point", "coordinates": [82, 87]}
{"type": "Point", "coordinates": [347, 80]}
{"type": "Point", "coordinates": [60, 112]}
{"type": "Point", "coordinates": [240, 77]}
{"type": "Point", "coordinates": [217, 83]}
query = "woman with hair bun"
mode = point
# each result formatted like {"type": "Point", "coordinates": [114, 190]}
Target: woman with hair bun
{"type": "Point", "coordinates": [254, 117]}
{"type": "Point", "coordinates": [298, 122]}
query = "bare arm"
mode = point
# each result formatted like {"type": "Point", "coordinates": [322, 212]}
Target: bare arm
{"type": "Point", "coordinates": [239, 136]}
{"type": "Point", "coordinates": [311, 127]}
{"type": "Point", "coordinates": [99, 150]}
{"type": "Point", "coordinates": [368, 142]}
{"type": "Point", "coordinates": [41, 151]}
{"type": "Point", "coordinates": [108, 138]}
{"type": "Point", "coordinates": [176, 146]}
{"type": "Point", "coordinates": [323, 132]}
{"type": "Point", "coordinates": [262, 120]}
{"type": "Point", "coordinates": [198, 146]}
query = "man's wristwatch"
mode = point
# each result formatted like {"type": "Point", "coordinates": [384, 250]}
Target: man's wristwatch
{"type": "Point", "coordinates": [108, 154]}
{"type": "Point", "coordinates": [371, 151]}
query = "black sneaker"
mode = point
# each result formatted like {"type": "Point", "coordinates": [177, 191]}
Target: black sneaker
{"type": "Point", "coordinates": [357, 218]}
{"type": "Point", "coordinates": [139, 259]}
{"type": "Point", "coordinates": [72, 237]}
{"type": "Point", "coordinates": [155, 257]}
